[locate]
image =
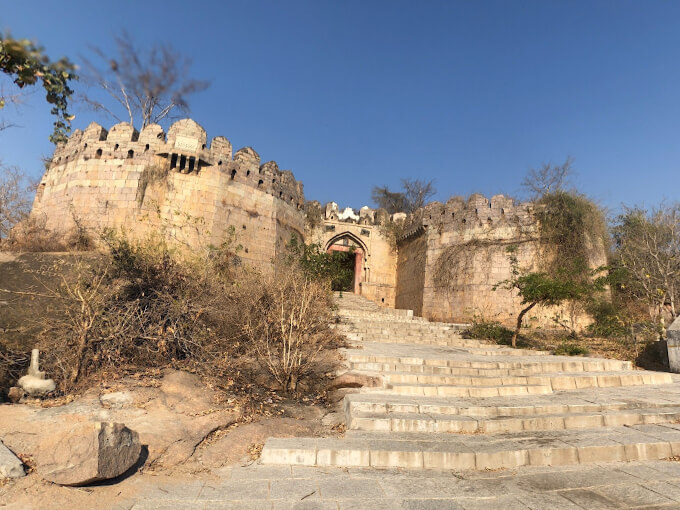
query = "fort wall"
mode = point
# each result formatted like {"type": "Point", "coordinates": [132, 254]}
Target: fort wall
{"type": "Point", "coordinates": [175, 185]}
{"type": "Point", "coordinates": [444, 263]}
{"type": "Point", "coordinates": [463, 247]}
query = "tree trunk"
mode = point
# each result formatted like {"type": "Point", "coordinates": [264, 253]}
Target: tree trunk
{"type": "Point", "coordinates": [519, 323]}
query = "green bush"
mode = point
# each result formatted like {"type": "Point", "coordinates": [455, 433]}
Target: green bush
{"type": "Point", "coordinates": [609, 320]}
{"type": "Point", "coordinates": [489, 330]}
{"type": "Point", "coordinates": [567, 349]}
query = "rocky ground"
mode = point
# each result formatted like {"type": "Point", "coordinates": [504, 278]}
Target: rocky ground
{"type": "Point", "coordinates": [186, 432]}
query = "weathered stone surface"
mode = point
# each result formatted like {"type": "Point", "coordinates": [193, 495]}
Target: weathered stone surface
{"type": "Point", "coordinates": [10, 465]}
{"type": "Point", "coordinates": [89, 453]}
{"type": "Point", "coordinates": [117, 399]}
{"type": "Point", "coordinates": [171, 418]}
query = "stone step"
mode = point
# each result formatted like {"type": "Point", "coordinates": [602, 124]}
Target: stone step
{"type": "Point", "coordinates": [468, 391]}
{"type": "Point", "coordinates": [392, 323]}
{"type": "Point", "coordinates": [483, 349]}
{"type": "Point", "coordinates": [590, 400]}
{"type": "Point", "coordinates": [455, 343]}
{"type": "Point", "coordinates": [445, 370]}
{"type": "Point", "coordinates": [461, 424]}
{"type": "Point", "coordinates": [479, 452]}
{"type": "Point", "coordinates": [536, 365]}
{"type": "Point", "coordinates": [557, 381]}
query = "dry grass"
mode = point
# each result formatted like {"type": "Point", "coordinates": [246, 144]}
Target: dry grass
{"type": "Point", "coordinates": [644, 354]}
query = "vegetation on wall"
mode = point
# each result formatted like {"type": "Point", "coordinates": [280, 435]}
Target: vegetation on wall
{"type": "Point", "coordinates": [572, 232]}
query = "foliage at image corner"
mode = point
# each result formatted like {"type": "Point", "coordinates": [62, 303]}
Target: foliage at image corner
{"type": "Point", "coordinates": [27, 64]}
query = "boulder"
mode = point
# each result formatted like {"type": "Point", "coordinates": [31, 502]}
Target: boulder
{"type": "Point", "coordinates": [10, 465]}
{"type": "Point", "coordinates": [355, 380]}
{"type": "Point", "coordinates": [88, 453]}
{"type": "Point", "coordinates": [15, 394]}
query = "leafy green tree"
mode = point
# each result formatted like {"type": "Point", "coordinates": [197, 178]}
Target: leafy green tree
{"type": "Point", "coordinates": [543, 289]}
{"type": "Point", "coordinates": [27, 64]}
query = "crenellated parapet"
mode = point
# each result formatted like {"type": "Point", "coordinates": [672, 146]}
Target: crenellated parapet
{"type": "Point", "coordinates": [476, 215]}
{"type": "Point", "coordinates": [184, 149]}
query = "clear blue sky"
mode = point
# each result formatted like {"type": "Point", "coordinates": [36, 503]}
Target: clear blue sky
{"type": "Point", "coordinates": [357, 93]}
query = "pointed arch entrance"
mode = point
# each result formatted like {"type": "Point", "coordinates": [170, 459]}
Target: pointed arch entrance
{"type": "Point", "coordinates": [346, 241]}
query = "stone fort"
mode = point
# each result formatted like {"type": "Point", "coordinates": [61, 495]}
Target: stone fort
{"type": "Point", "coordinates": [443, 262]}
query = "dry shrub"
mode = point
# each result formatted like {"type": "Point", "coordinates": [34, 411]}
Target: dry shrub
{"type": "Point", "coordinates": [32, 235]}
{"type": "Point", "coordinates": [13, 364]}
{"type": "Point", "coordinates": [141, 307]}
{"type": "Point", "coordinates": [285, 318]}
{"type": "Point", "coordinates": [147, 306]}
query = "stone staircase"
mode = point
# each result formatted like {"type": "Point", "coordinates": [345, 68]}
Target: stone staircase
{"type": "Point", "coordinates": [451, 403]}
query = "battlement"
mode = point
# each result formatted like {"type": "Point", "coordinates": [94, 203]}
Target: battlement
{"type": "Point", "coordinates": [477, 213]}
{"type": "Point", "coordinates": [184, 149]}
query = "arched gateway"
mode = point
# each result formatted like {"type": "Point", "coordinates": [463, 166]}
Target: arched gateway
{"type": "Point", "coordinates": [346, 241]}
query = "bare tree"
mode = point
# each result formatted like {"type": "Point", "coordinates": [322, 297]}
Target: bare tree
{"type": "Point", "coordinates": [548, 178]}
{"type": "Point", "coordinates": [15, 203]}
{"type": "Point", "coordinates": [414, 195]}
{"type": "Point", "coordinates": [146, 87]}
{"type": "Point", "coordinates": [648, 250]}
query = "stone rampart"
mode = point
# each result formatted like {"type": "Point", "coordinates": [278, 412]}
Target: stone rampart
{"type": "Point", "coordinates": [178, 185]}
{"type": "Point", "coordinates": [462, 245]}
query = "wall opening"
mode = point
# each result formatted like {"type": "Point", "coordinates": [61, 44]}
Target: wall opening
{"type": "Point", "coordinates": [131, 154]}
{"type": "Point", "coordinates": [351, 258]}
{"type": "Point", "coordinates": [182, 163]}
{"type": "Point", "coordinates": [98, 154]}
{"type": "Point", "coordinates": [192, 164]}
{"type": "Point", "coordinates": [233, 174]}
{"type": "Point", "coordinates": [173, 161]}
